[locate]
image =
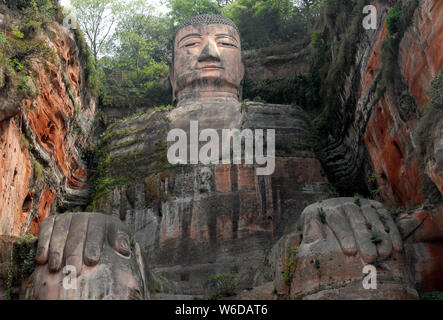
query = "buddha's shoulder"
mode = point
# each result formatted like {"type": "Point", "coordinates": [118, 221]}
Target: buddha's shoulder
{"type": "Point", "coordinates": [273, 115]}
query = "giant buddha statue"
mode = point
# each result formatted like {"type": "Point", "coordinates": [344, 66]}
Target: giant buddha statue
{"type": "Point", "coordinates": [216, 217]}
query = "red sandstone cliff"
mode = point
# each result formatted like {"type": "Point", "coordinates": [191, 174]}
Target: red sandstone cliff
{"type": "Point", "coordinates": [386, 123]}
{"type": "Point", "coordinates": [42, 143]}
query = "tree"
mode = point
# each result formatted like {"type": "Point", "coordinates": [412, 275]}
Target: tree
{"type": "Point", "coordinates": [183, 9]}
{"type": "Point", "coordinates": [96, 18]}
{"type": "Point", "coordinates": [263, 22]}
{"type": "Point", "coordinates": [310, 10]}
{"type": "Point", "coordinates": [136, 65]}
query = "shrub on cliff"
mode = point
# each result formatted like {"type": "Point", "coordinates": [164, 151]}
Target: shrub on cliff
{"type": "Point", "coordinates": [393, 19]}
{"type": "Point", "coordinates": [225, 285]}
{"type": "Point", "coordinates": [22, 262]}
{"type": "Point", "coordinates": [432, 116]}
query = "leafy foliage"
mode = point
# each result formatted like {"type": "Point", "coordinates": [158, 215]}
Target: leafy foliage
{"type": "Point", "coordinates": [183, 9]}
{"type": "Point", "coordinates": [291, 265]}
{"type": "Point", "coordinates": [393, 19]}
{"type": "Point", "coordinates": [16, 50]}
{"type": "Point", "coordinates": [263, 23]}
{"type": "Point", "coordinates": [432, 115]}
{"type": "Point", "coordinates": [96, 18]}
{"type": "Point", "coordinates": [22, 262]}
{"type": "Point", "coordinates": [375, 238]}
{"type": "Point", "coordinates": [135, 72]}
{"type": "Point", "coordinates": [225, 284]}
{"type": "Point", "coordinates": [433, 295]}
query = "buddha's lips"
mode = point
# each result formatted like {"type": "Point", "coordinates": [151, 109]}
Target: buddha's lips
{"type": "Point", "coordinates": [210, 67]}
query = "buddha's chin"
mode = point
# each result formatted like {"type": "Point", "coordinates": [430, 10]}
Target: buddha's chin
{"type": "Point", "coordinates": [211, 74]}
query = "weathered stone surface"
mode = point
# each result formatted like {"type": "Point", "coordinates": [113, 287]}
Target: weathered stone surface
{"type": "Point", "coordinates": [289, 61]}
{"type": "Point", "coordinates": [421, 49]}
{"type": "Point", "coordinates": [15, 170]}
{"type": "Point", "coordinates": [422, 231]}
{"type": "Point", "coordinates": [42, 147]}
{"type": "Point", "coordinates": [335, 239]}
{"type": "Point", "coordinates": [105, 264]}
{"type": "Point", "coordinates": [196, 220]}
{"type": "Point", "coordinates": [434, 161]}
{"type": "Point", "coordinates": [376, 132]}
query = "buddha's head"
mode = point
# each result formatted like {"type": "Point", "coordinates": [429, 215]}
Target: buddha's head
{"type": "Point", "coordinates": [207, 59]}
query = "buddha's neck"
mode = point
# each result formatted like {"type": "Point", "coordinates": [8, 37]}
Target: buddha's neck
{"type": "Point", "coordinates": [206, 97]}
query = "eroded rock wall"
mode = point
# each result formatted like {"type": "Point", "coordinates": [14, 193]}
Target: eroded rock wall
{"type": "Point", "coordinates": [42, 147]}
{"type": "Point", "coordinates": [380, 121]}
{"type": "Point", "coordinates": [193, 221]}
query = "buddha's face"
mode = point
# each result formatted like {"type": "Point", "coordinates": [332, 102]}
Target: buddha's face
{"type": "Point", "coordinates": [207, 61]}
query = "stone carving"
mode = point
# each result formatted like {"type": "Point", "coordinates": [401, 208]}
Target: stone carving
{"type": "Point", "coordinates": [239, 218]}
{"type": "Point", "coordinates": [86, 256]}
{"type": "Point", "coordinates": [336, 239]}
{"type": "Point", "coordinates": [207, 59]}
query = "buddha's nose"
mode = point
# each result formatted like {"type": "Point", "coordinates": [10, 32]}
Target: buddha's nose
{"type": "Point", "coordinates": [209, 52]}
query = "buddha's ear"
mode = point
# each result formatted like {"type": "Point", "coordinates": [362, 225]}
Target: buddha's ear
{"type": "Point", "coordinates": [172, 81]}
{"type": "Point", "coordinates": [242, 70]}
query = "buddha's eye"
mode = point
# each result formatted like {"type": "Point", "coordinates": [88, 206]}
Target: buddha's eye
{"type": "Point", "coordinates": [191, 44]}
{"type": "Point", "coordinates": [227, 44]}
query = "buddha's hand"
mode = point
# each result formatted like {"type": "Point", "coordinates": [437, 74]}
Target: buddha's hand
{"type": "Point", "coordinates": [356, 226]}
{"type": "Point", "coordinates": [348, 249]}
{"type": "Point", "coordinates": [87, 256]}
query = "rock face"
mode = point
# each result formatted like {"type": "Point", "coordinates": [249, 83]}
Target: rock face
{"type": "Point", "coordinates": [378, 130]}
{"type": "Point", "coordinates": [337, 239]}
{"type": "Point", "coordinates": [271, 233]}
{"type": "Point", "coordinates": [421, 53]}
{"type": "Point", "coordinates": [198, 220]}
{"type": "Point", "coordinates": [378, 133]}
{"type": "Point", "coordinates": [99, 260]}
{"type": "Point", "coordinates": [422, 231]}
{"type": "Point", "coordinates": [42, 147]}
{"type": "Point", "coordinates": [284, 62]}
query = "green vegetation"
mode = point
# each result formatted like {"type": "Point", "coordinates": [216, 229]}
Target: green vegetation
{"type": "Point", "coordinates": [432, 115]}
{"type": "Point", "coordinates": [384, 222]}
{"type": "Point", "coordinates": [225, 285]}
{"type": "Point", "coordinates": [159, 286]}
{"type": "Point", "coordinates": [399, 18]}
{"type": "Point", "coordinates": [15, 55]}
{"type": "Point", "coordinates": [183, 9]}
{"type": "Point", "coordinates": [38, 172]}
{"type": "Point", "coordinates": [433, 295]}
{"type": "Point", "coordinates": [294, 90]}
{"type": "Point", "coordinates": [373, 177]}
{"type": "Point", "coordinates": [290, 266]}
{"type": "Point", "coordinates": [379, 189]}
{"type": "Point", "coordinates": [396, 211]}
{"type": "Point", "coordinates": [322, 215]}
{"type": "Point", "coordinates": [131, 159]}
{"type": "Point", "coordinates": [92, 77]}
{"type": "Point", "coordinates": [393, 19]}
{"type": "Point", "coordinates": [327, 75]}
{"type": "Point", "coordinates": [22, 262]}
{"type": "Point", "coordinates": [133, 59]}
{"type": "Point", "coordinates": [375, 238]}
{"type": "Point", "coordinates": [357, 200]}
